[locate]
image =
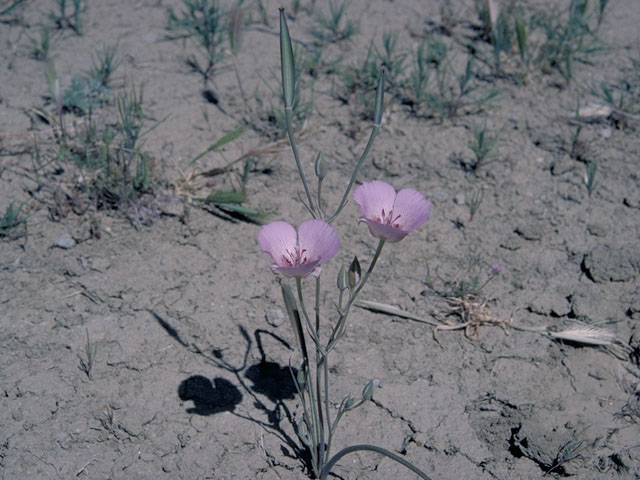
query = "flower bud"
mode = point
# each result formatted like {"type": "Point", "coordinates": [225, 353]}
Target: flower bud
{"type": "Point", "coordinates": [367, 392]}
{"type": "Point", "coordinates": [286, 61]}
{"type": "Point", "coordinates": [343, 279]}
{"type": "Point", "coordinates": [320, 167]}
{"type": "Point", "coordinates": [354, 273]}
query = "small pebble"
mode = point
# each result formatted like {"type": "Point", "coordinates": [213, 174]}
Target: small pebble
{"type": "Point", "coordinates": [65, 241]}
{"type": "Point", "coordinates": [275, 317]}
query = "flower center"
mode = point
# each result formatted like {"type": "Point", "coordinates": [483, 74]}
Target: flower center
{"type": "Point", "coordinates": [296, 257]}
{"type": "Point", "coordinates": [389, 219]}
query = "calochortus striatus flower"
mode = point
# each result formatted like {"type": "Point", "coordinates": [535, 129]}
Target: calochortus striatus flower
{"type": "Point", "coordinates": [391, 216]}
{"type": "Point", "coordinates": [299, 254]}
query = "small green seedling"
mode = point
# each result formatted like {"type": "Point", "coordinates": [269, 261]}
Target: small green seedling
{"type": "Point", "coordinates": [39, 47]}
{"type": "Point", "coordinates": [104, 64]}
{"type": "Point", "coordinates": [11, 221]}
{"type": "Point", "coordinates": [201, 20]}
{"type": "Point", "coordinates": [473, 202]}
{"type": "Point", "coordinates": [88, 361]}
{"type": "Point", "coordinates": [63, 19]}
{"type": "Point", "coordinates": [481, 144]}
{"type": "Point", "coordinates": [331, 28]}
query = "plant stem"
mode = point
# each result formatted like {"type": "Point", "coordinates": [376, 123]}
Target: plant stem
{"type": "Point", "coordinates": [340, 326]}
{"type": "Point", "coordinates": [372, 137]}
{"type": "Point", "coordinates": [294, 147]}
{"type": "Point", "coordinates": [320, 359]}
{"type": "Point", "coordinates": [372, 448]}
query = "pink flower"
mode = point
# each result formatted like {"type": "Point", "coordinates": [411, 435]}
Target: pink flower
{"type": "Point", "coordinates": [299, 254]}
{"type": "Point", "coordinates": [389, 216]}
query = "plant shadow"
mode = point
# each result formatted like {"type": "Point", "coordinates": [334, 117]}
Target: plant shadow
{"type": "Point", "coordinates": [266, 382]}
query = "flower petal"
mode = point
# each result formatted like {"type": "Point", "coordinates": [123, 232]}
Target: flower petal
{"type": "Point", "coordinates": [275, 239]}
{"type": "Point", "coordinates": [385, 232]}
{"type": "Point", "coordinates": [318, 240]}
{"type": "Point", "coordinates": [412, 208]}
{"type": "Point", "coordinates": [300, 271]}
{"type": "Point", "coordinates": [373, 197]}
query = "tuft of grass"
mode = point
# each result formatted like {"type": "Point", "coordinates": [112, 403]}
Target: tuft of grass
{"type": "Point", "coordinates": [116, 170]}
{"type": "Point", "coordinates": [88, 361]}
{"type": "Point", "coordinates": [68, 15]}
{"type": "Point", "coordinates": [105, 63]}
{"type": "Point", "coordinates": [39, 48]}
{"type": "Point", "coordinates": [551, 40]}
{"type": "Point", "coordinates": [622, 95]}
{"type": "Point", "coordinates": [11, 221]}
{"type": "Point", "coordinates": [481, 143]}
{"type": "Point", "coordinates": [331, 28]}
{"type": "Point", "coordinates": [473, 202]}
{"type": "Point", "coordinates": [10, 13]}
{"type": "Point", "coordinates": [203, 21]}
{"type": "Point", "coordinates": [436, 88]}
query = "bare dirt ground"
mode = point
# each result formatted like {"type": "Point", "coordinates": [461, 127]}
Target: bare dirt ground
{"type": "Point", "coordinates": [184, 320]}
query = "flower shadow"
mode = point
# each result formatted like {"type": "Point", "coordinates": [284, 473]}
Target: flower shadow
{"type": "Point", "coordinates": [209, 397]}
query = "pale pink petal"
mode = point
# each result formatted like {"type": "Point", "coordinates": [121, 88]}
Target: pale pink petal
{"type": "Point", "coordinates": [318, 240]}
{"type": "Point", "coordinates": [385, 232]}
{"type": "Point", "coordinates": [411, 209]}
{"type": "Point", "coordinates": [299, 271]}
{"type": "Point", "coordinates": [277, 239]}
{"type": "Point", "coordinates": [374, 197]}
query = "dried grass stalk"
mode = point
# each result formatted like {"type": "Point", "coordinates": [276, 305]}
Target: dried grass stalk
{"type": "Point", "coordinates": [586, 335]}
{"type": "Point", "coordinates": [391, 310]}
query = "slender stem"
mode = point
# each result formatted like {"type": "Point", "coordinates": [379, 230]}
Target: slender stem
{"type": "Point", "coordinates": [319, 197]}
{"type": "Point", "coordinates": [325, 373]}
{"type": "Point", "coordinates": [294, 147]}
{"type": "Point", "coordinates": [372, 137]}
{"type": "Point", "coordinates": [339, 328]}
{"type": "Point", "coordinates": [372, 448]}
{"type": "Point", "coordinates": [362, 283]}
{"type": "Point", "coordinates": [319, 360]}
{"type": "Point", "coordinates": [310, 328]}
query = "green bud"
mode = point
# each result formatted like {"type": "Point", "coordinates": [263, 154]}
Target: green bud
{"type": "Point", "coordinates": [354, 273]}
{"type": "Point", "coordinates": [378, 106]}
{"type": "Point", "coordinates": [367, 392]}
{"type": "Point", "coordinates": [349, 403]}
{"type": "Point", "coordinates": [320, 167]}
{"type": "Point", "coordinates": [286, 61]}
{"type": "Point", "coordinates": [343, 279]}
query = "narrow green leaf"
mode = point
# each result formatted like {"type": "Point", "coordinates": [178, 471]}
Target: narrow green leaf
{"type": "Point", "coordinates": [226, 197]}
{"type": "Point", "coordinates": [226, 138]}
{"type": "Point", "coordinates": [294, 316]}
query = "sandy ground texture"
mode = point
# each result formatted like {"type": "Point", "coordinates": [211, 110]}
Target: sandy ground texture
{"type": "Point", "coordinates": [187, 372]}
